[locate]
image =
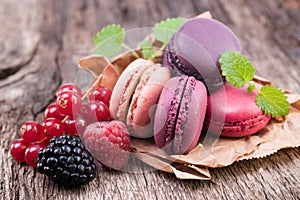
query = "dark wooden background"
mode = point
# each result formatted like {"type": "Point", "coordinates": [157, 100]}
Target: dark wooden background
{"type": "Point", "coordinates": [41, 41]}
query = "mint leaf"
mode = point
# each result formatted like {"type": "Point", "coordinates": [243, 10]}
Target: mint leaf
{"type": "Point", "coordinates": [164, 29]}
{"type": "Point", "coordinates": [272, 101]}
{"type": "Point", "coordinates": [236, 68]}
{"type": "Point", "coordinates": [147, 50]}
{"type": "Point", "coordinates": [109, 40]}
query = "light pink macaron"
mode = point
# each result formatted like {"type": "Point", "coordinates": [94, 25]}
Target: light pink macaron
{"type": "Point", "coordinates": [136, 94]}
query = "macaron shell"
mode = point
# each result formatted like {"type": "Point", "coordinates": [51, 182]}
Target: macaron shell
{"type": "Point", "coordinates": [239, 106]}
{"type": "Point", "coordinates": [190, 117]}
{"type": "Point", "coordinates": [212, 35]}
{"type": "Point", "coordinates": [125, 87]}
{"type": "Point", "coordinates": [140, 116]}
{"type": "Point", "coordinates": [242, 116]}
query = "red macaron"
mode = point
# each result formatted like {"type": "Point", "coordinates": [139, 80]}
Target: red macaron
{"type": "Point", "coordinates": [233, 112]}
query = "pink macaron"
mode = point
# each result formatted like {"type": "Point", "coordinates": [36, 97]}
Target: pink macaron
{"type": "Point", "coordinates": [136, 94]}
{"type": "Point", "coordinates": [180, 114]}
{"type": "Point", "coordinates": [125, 87]}
{"type": "Point", "coordinates": [235, 114]}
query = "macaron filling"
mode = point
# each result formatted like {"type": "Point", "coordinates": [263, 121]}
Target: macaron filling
{"type": "Point", "coordinates": [178, 66]}
{"type": "Point", "coordinates": [207, 72]}
{"type": "Point", "coordinates": [229, 128]}
{"type": "Point", "coordinates": [182, 116]}
{"type": "Point", "coordinates": [128, 91]}
{"type": "Point", "coordinates": [174, 110]}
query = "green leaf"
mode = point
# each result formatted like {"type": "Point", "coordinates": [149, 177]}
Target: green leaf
{"type": "Point", "coordinates": [147, 50]}
{"type": "Point", "coordinates": [236, 68]}
{"type": "Point", "coordinates": [163, 30]}
{"type": "Point", "coordinates": [272, 101]}
{"type": "Point", "coordinates": [109, 40]}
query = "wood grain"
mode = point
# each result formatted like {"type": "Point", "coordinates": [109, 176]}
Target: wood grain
{"type": "Point", "coordinates": [41, 41]}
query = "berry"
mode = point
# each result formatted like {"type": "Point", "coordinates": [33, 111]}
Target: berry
{"type": "Point", "coordinates": [69, 87]}
{"type": "Point", "coordinates": [53, 127]}
{"type": "Point", "coordinates": [53, 112]}
{"type": "Point", "coordinates": [69, 103]}
{"type": "Point", "coordinates": [17, 150]}
{"type": "Point", "coordinates": [97, 111]}
{"type": "Point", "coordinates": [109, 142]}
{"type": "Point", "coordinates": [31, 154]}
{"type": "Point", "coordinates": [32, 132]}
{"type": "Point", "coordinates": [100, 94]}
{"type": "Point", "coordinates": [66, 161]}
{"type": "Point", "coordinates": [75, 126]}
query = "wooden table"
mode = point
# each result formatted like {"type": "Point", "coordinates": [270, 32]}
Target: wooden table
{"type": "Point", "coordinates": [41, 41]}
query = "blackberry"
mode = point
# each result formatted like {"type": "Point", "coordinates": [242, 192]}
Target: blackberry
{"type": "Point", "coordinates": [66, 161]}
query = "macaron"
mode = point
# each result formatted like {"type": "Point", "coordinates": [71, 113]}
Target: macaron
{"type": "Point", "coordinates": [143, 102]}
{"type": "Point", "coordinates": [180, 114]}
{"type": "Point", "coordinates": [242, 116]}
{"type": "Point", "coordinates": [136, 94]}
{"type": "Point", "coordinates": [125, 86]}
{"type": "Point", "coordinates": [195, 48]}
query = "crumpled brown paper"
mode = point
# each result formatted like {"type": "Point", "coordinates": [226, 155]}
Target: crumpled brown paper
{"type": "Point", "coordinates": [282, 132]}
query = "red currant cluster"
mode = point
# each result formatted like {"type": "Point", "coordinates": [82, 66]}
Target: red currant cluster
{"type": "Point", "coordinates": [68, 115]}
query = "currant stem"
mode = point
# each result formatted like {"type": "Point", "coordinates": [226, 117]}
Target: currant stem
{"type": "Point", "coordinates": [131, 50]}
{"type": "Point", "coordinates": [92, 87]}
{"type": "Point", "coordinates": [64, 119]}
{"type": "Point", "coordinates": [251, 84]}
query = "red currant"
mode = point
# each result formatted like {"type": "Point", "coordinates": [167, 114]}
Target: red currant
{"type": "Point", "coordinates": [100, 94]}
{"type": "Point", "coordinates": [53, 112]}
{"type": "Point", "coordinates": [17, 150]}
{"type": "Point", "coordinates": [31, 154]}
{"type": "Point", "coordinates": [75, 126]}
{"type": "Point", "coordinates": [97, 111]}
{"type": "Point", "coordinates": [69, 103]}
{"type": "Point", "coordinates": [52, 127]}
{"type": "Point", "coordinates": [69, 87]}
{"type": "Point", "coordinates": [32, 132]}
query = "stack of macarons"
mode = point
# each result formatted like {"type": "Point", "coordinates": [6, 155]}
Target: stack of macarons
{"type": "Point", "coordinates": [175, 101]}
{"type": "Point", "coordinates": [136, 94]}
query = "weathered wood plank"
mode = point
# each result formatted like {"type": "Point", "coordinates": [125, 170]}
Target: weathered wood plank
{"type": "Point", "coordinates": [40, 42]}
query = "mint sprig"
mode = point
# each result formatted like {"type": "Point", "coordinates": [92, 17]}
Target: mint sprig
{"type": "Point", "coordinates": [110, 39]}
{"type": "Point", "coordinates": [239, 71]}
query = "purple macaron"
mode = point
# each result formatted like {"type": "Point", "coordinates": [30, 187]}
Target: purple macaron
{"type": "Point", "coordinates": [195, 48]}
{"type": "Point", "coordinates": [180, 115]}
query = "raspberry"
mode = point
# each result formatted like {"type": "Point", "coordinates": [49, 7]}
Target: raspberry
{"type": "Point", "coordinates": [66, 161]}
{"type": "Point", "coordinates": [109, 142]}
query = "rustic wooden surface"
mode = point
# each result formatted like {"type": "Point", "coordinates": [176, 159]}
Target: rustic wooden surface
{"type": "Point", "coordinates": [40, 42]}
